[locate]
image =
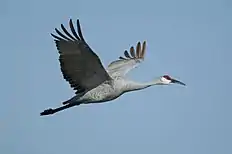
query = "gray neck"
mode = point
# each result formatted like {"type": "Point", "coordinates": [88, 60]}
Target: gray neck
{"type": "Point", "coordinates": [132, 86]}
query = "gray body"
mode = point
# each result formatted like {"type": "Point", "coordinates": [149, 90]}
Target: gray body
{"type": "Point", "coordinates": [108, 91]}
{"type": "Point", "coordinates": [105, 92]}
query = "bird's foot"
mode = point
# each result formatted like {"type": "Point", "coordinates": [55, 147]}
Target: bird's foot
{"type": "Point", "coordinates": [47, 112]}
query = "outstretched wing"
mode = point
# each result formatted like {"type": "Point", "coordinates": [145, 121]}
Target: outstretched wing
{"type": "Point", "coordinates": [131, 60]}
{"type": "Point", "coordinates": [80, 66]}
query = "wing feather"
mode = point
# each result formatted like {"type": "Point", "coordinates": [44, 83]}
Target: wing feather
{"type": "Point", "coordinates": [73, 29]}
{"type": "Point", "coordinates": [143, 50]}
{"type": "Point", "coordinates": [67, 33]}
{"type": "Point", "coordinates": [122, 66]}
{"type": "Point", "coordinates": [138, 49]}
{"type": "Point", "coordinates": [132, 52]}
{"type": "Point", "coordinates": [79, 30]}
{"type": "Point", "coordinates": [127, 54]}
{"type": "Point", "coordinates": [80, 66]}
{"type": "Point", "coordinates": [62, 35]}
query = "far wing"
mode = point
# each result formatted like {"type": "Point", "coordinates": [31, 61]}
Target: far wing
{"type": "Point", "coordinates": [131, 60]}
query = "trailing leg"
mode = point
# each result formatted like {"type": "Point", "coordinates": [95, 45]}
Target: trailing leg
{"type": "Point", "coordinates": [52, 111]}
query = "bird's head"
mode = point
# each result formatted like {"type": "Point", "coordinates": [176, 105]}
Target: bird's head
{"type": "Point", "coordinates": [166, 80]}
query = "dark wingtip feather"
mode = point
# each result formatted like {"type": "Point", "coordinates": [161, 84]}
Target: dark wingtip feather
{"type": "Point", "coordinates": [62, 35]}
{"type": "Point", "coordinates": [132, 52]}
{"type": "Point", "coordinates": [127, 54]}
{"type": "Point", "coordinates": [73, 29]}
{"type": "Point", "coordinates": [79, 30]}
{"type": "Point", "coordinates": [70, 21]}
{"type": "Point", "coordinates": [56, 37]}
{"type": "Point", "coordinates": [69, 37]}
{"type": "Point", "coordinates": [138, 54]}
{"type": "Point", "coordinates": [122, 58]}
{"type": "Point", "coordinates": [143, 50]}
{"type": "Point", "coordinates": [67, 33]}
{"type": "Point", "coordinates": [138, 50]}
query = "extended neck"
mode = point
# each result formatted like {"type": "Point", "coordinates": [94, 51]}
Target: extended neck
{"type": "Point", "coordinates": [131, 86]}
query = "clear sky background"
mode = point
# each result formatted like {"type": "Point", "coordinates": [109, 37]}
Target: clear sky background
{"type": "Point", "coordinates": [190, 40]}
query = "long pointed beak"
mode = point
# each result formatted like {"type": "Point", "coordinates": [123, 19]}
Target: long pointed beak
{"type": "Point", "coordinates": [178, 82]}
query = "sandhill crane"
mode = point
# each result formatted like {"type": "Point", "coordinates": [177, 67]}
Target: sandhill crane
{"type": "Point", "coordinates": [82, 68]}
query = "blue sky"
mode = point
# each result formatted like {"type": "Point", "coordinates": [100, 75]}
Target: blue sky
{"type": "Point", "coordinates": [187, 39]}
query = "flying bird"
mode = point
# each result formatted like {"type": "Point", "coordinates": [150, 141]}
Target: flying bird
{"type": "Point", "coordinates": [82, 68]}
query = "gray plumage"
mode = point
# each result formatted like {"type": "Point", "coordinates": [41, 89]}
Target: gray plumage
{"type": "Point", "coordinates": [82, 68]}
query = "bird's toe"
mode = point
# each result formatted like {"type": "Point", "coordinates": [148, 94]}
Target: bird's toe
{"type": "Point", "coordinates": [47, 112]}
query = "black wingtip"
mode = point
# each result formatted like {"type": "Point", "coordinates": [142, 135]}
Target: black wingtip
{"type": "Point", "coordinates": [79, 30]}
{"type": "Point", "coordinates": [52, 35]}
{"type": "Point", "coordinates": [78, 21]}
{"type": "Point", "coordinates": [56, 38]}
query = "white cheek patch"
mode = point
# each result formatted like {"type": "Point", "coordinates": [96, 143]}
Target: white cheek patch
{"type": "Point", "coordinates": [165, 81]}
